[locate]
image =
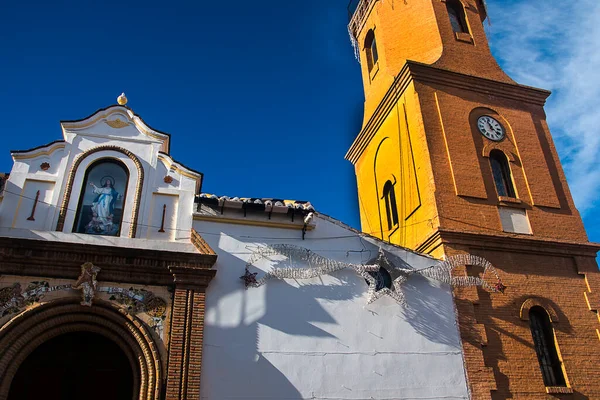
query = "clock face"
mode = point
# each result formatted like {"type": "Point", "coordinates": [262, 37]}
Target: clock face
{"type": "Point", "coordinates": [490, 128]}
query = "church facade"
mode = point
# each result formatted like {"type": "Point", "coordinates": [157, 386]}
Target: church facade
{"type": "Point", "coordinates": [115, 267]}
{"type": "Point", "coordinates": [472, 277]}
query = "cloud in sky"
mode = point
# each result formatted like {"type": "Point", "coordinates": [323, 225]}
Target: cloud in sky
{"type": "Point", "coordinates": [554, 45]}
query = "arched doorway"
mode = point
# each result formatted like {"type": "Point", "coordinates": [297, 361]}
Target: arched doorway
{"type": "Point", "coordinates": [72, 366]}
{"type": "Point", "coordinates": [103, 326]}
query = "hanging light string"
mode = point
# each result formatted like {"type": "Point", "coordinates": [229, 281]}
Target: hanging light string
{"type": "Point", "coordinates": [315, 265]}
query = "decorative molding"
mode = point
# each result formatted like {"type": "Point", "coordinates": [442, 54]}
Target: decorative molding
{"type": "Point", "coordinates": [253, 222]}
{"type": "Point", "coordinates": [116, 123]}
{"type": "Point", "coordinates": [45, 150]}
{"type": "Point", "coordinates": [104, 113]}
{"type": "Point", "coordinates": [414, 71]}
{"type": "Point", "coordinates": [173, 166]}
{"type": "Point", "coordinates": [97, 116]}
{"type": "Point", "coordinates": [39, 258]}
{"type": "Point", "coordinates": [200, 244]}
{"type": "Point", "coordinates": [45, 166]}
{"type": "Point", "coordinates": [513, 242]}
{"type": "Point", "coordinates": [359, 17]}
{"type": "Point", "coordinates": [507, 149]}
{"type": "Point", "coordinates": [87, 283]}
{"type": "Point", "coordinates": [168, 179]}
{"type": "Point", "coordinates": [69, 188]}
{"type": "Point", "coordinates": [537, 302]}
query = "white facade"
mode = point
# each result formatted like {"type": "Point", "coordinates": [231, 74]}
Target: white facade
{"type": "Point", "coordinates": [113, 133]}
{"type": "Point", "coordinates": [288, 339]}
{"type": "Point", "coordinates": [318, 338]}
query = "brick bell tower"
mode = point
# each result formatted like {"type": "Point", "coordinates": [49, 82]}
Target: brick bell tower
{"type": "Point", "coordinates": [455, 157]}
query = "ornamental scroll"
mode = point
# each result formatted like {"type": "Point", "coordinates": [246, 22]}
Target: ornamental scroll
{"type": "Point", "coordinates": [140, 302]}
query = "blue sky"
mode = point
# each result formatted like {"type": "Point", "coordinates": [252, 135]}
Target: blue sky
{"type": "Point", "coordinates": [266, 97]}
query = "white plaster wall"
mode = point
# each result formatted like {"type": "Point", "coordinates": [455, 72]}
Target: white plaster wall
{"type": "Point", "coordinates": [169, 225]}
{"type": "Point", "coordinates": [29, 169]}
{"type": "Point", "coordinates": [317, 339]}
{"type": "Point", "coordinates": [25, 216]}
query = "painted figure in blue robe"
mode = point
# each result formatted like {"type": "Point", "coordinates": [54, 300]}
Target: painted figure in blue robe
{"type": "Point", "coordinates": [103, 208]}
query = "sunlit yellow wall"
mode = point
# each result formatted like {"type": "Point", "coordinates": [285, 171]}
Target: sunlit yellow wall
{"type": "Point", "coordinates": [403, 31]}
{"type": "Point", "coordinates": [398, 152]}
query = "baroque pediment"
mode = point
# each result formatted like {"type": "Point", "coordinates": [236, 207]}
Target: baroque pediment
{"type": "Point", "coordinates": [116, 122]}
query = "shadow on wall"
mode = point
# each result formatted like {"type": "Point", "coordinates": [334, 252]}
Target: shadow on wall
{"type": "Point", "coordinates": [429, 313]}
{"type": "Point", "coordinates": [233, 351]}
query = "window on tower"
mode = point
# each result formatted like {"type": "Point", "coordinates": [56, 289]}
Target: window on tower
{"type": "Point", "coordinates": [371, 49]}
{"type": "Point", "coordinates": [501, 173]}
{"type": "Point", "coordinates": [545, 347]}
{"type": "Point", "coordinates": [389, 196]}
{"type": "Point", "coordinates": [458, 19]}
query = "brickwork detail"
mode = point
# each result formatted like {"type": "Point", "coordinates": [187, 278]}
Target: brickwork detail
{"type": "Point", "coordinates": [190, 274]}
{"type": "Point", "coordinates": [185, 347]}
{"type": "Point", "coordinates": [529, 303]}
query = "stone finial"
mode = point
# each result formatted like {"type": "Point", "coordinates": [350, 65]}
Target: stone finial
{"type": "Point", "coordinates": [122, 100]}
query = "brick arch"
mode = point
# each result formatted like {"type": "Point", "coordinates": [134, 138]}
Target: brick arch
{"type": "Point", "coordinates": [27, 331]}
{"type": "Point", "coordinates": [537, 302]}
{"type": "Point", "coordinates": [69, 188]}
{"type": "Point", "coordinates": [489, 147]}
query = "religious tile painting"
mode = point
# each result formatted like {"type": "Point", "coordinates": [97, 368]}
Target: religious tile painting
{"type": "Point", "coordinates": [100, 210]}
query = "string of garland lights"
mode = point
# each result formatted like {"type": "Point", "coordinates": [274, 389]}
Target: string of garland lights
{"type": "Point", "coordinates": [301, 263]}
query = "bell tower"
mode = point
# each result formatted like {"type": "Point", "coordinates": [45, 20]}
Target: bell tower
{"type": "Point", "coordinates": [454, 156]}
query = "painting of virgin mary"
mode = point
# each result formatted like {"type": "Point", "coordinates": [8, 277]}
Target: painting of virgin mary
{"type": "Point", "coordinates": [101, 205]}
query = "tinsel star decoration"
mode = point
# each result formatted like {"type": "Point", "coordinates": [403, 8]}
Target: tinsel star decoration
{"type": "Point", "coordinates": [395, 291]}
{"type": "Point", "coordinates": [249, 278]}
{"type": "Point", "coordinates": [316, 265]}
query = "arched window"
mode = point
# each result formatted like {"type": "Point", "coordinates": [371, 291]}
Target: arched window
{"type": "Point", "coordinates": [501, 173]}
{"type": "Point", "coordinates": [100, 209]}
{"type": "Point", "coordinates": [545, 347]}
{"type": "Point", "coordinates": [371, 49]}
{"type": "Point", "coordinates": [391, 210]}
{"type": "Point", "coordinates": [458, 19]}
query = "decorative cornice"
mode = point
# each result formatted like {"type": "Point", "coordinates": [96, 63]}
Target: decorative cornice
{"type": "Point", "coordinates": [104, 113]}
{"type": "Point", "coordinates": [191, 277]}
{"type": "Point", "coordinates": [116, 123]}
{"type": "Point", "coordinates": [515, 243]}
{"type": "Point", "coordinates": [253, 222]}
{"type": "Point", "coordinates": [512, 91]}
{"type": "Point", "coordinates": [423, 73]}
{"type": "Point", "coordinates": [180, 168]}
{"type": "Point", "coordinates": [200, 244]}
{"type": "Point", "coordinates": [38, 258]}
{"type": "Point", "coordinates": [359, 17]}
{"type": "Point", "coordinates": [39, 151]}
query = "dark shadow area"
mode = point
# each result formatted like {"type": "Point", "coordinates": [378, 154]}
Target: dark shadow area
{"type": "Point", "coordinates": [428, 313]}
{"type": "Point", "coordinates": [74, 366]}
